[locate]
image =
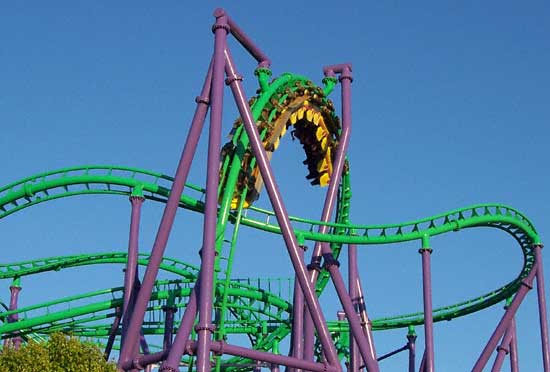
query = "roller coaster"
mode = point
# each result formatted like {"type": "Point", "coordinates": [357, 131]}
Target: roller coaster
{"type": "Point", "coordinates": [197, 314]}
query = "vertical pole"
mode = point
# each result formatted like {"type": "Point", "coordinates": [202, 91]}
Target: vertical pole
{"type": "Point", "coordinates": [502, 350]}
{"type": "Point", "coordinates": [169, 311]}
{"type": "Point", "coordinates": [526, 285]}
{"type": "Point", "coordinates": [166, 223]}
{"type": "Point", "coordinates": [205, 327]}
{"type": "Point", "coordinates": [112, 333]}
{"type": "Point", "coordinates": [131, 271]}
{"type": "Point", "coordinates": [543, 320]}
{"type": "Point", "coordinates": [354, 358]}
{"type": "Point", "coordinates": [280, 212]}
{"type": "Point", "coordinates": [426, 252]}
{"type": "Point", "coordinates": [423, 362]}
{"type": "Point", "coordinates": [331, 196]}
{"type": "Point", "coordinates": [298, 317]}
{"type": "Point", "coordinates": [182, 336]}
{"type": "Point", "coordinates": [15, 288]}
{"type": "Point", "coordinates": [514, 362]}
{"type": "Point", "coordinates": [411, 345]}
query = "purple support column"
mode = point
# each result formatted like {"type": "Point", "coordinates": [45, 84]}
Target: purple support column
{"type": "Point", "coordinates": [15, 288]}
{"type": "Point", "coordinates": [543, 320]}
{"type": "Point", "coordinates": [514, 362]}
{"type": "Point", "coordinates": [411, 345]}
{"type": "Point", "coordinates": [423, 363]}
{"type": "Point", "coordinates": [298, 317]}
{"type": "Point", "coordinates": [309, 333]}
{"type": "Point", "coordinates": [182, 336]}
{"type": "Point", "coordinates": [168, 325]}
{"type": "Point", "coordinates": [205, 327]}
{"type": "Point", "coordinates": [331, 264]}
{"type": "Point", "coordinates": [526, 285]}
{"type": "Point", "coordinates": [365, 321]}
{"type": "Point", "coordinates": [131, 271]}
{"type": "Point", "coordinates": [166, 222]}
{"type": "Point", "coordinates": [354, 358]}
{"type": "Point", "coordinates": [332, 192]}
{"type": "Point", "coordinates": [426, 251]}
{"type": "Point", "coordinates": [502, 350]}
{"type": "Point", "coordinates": [291, 243]}
{"type": "Point", "coordinates": [112, 333]}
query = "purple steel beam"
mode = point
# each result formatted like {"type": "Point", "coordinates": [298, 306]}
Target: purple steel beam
{"type": "Point", "coordinates": [167, 221]}
{"type": "Point", "coordinates": [514, 362]}
{"type": "Point", "coordinates": [367, 352]}
{"type": "Point", "coordinates": [298, 318]}
{"type": "Point", "coordinates": [168, 326]}
{"type": "Point", "coordinates": [423, 362]}
{"type": "Point", "coordinates": [234, 80]}
{"type": "Point", "coordinates": [15, 288]}
{"type": "Point", "coordinates": [309, 332]}
{"type": "Point", "coordinates": [131, 272]}
{"type": "Point", "coordinates": [411, 344]}
{"type": "Point", "coordinates": [182, 336]}
{"type": "Point", "coordinates": [543, 320]}
{"type": "Point", "coordinates": [526, 285]}
{"type": "Point", "coordinates": [354, 358]}
{"type": "Point", "coordinates": [365, 321]}
{"type": "Point", "coordinates": [425, 252]}
{"type": "Point", "coordinates": [502, 350]}
{"type": "Point", "coordinates": [223, 348]}
{"type": "Point", "coordinates": [112, 334]}
{"type": "Point", "coordinates": [332, 192]}
{"type": "Point", "coordinates": [392, 353]}
{"type": "Point", "coordinates": [244, 40]}
{"type": "Point", "coordinates": [205, 327]}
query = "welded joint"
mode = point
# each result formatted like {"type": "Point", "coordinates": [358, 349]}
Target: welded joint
{"type": "Point", "coordinates": [203, 100]}
{"type": "Point", "coordinates": [426, 249]}
{"type": "Point", "coordinates": [315, 264]}
{"type": "Point", "coordinates": [502, 348]}
{"type": "Point", "coordinates": [207, 327]}
{"type": "Point", "coordinates": [221, 351]}
{"type": "Point", "coordinates": [168, 369]}
{"type": "Point", "coordinates": [231, 79]}
{"type": "Point", "coordinates": [343, 69]}
{"type": "Point", "coordinates": [330, 261]}
{"type": "Point", "coordinates": [525, 283]}
{"type": "Point", "coordinates": [137, 365]}
{"type": "Point", "coordinates": [221, 21]}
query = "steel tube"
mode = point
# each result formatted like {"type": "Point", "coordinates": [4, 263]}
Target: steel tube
{"type": "Point", "coordinates": [526, 285]}
{"type": "Point", "coordinates": [543, 320]}
{"type": "Point", "coordinates": [182, 336]}
{"type": "Point", "coordinates": [208, 251]}
{"type": "Point", "coordinates": [502, 350]}
{"type": "Point", "coordinates": [112, 334]}
{"type": "Point", "coordinates": [355, 358]}
{"type": "Point", "coordinates": [298, 318]}
{"type": "Point", "coordinates": [167, 221]}
{"type": "Point", "coordinates": [514, 357]}
{"type": "Point", "coordinates": [281, 213]}
{"type": "Point", "coordinates": [245, 41]}
{"type": "Point", "coordinates": [131, 272]}
{"type": "Point", "coordinates": [224, 348]}
{"type": "Point", "coordinates": [411, 344]}
{"type": "Point", "coordinates": [428, 315]}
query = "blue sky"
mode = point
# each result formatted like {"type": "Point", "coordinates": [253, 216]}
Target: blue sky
{"type": "Point", "coordinates": [450, 108]}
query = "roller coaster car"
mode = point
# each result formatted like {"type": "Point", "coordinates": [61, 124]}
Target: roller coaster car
{"type": "Point", "coordinates": [304, 107]}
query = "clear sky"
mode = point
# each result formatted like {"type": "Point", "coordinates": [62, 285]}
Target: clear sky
{"type": "Point", "coordinates": [450, 108]}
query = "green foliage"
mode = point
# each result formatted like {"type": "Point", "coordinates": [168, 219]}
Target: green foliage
{"type": "Point", "coordinates": [60, 353]}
